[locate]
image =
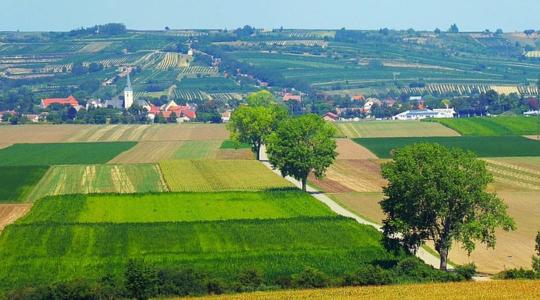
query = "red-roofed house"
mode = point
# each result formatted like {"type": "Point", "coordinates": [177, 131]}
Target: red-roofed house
{"type": "Point", "coordinates": [62, 101]}
{"type": "Point", "coordinates": [184, 113]}
{"type": "Point", "coordinates": [330, 117]}
{"type": "Point", "coordinates": [289, 97]}
{"type": "Point", "coordinates": [357, 98]}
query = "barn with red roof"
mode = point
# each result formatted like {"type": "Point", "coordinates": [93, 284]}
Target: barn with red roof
{"type": "Point", "coordinates": [62, 101]}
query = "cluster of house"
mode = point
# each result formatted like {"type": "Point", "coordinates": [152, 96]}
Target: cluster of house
{"type": "Point", "coordinates": [419, 114]}
{"type": "Point", "coordinates": [182, 113]}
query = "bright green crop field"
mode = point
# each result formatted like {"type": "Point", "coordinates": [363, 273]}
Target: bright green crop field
{"type": "Point", "coordinates": [483, 146]}
{"type": "Point", "coordinates": [17, 182]}
{"type": "Point", "coordinates": [175, 207]}
{"type": "Point", "coordinates": [61, 154]}
{"type": "Point", "coordinates": [494, 126]}
{"type": "Point", "coordinates": [46, 252]}
{"type": "Point", "coordinates": [229, 144]}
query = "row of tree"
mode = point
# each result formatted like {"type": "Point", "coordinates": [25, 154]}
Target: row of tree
{"type": "Point", "coordinates": [297, 146]}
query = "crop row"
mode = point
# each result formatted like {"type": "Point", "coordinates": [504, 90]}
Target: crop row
{"type": "Point", "coordinates": [191, 95]}
{"type": "Point", "coordinates": [198, 70]}
{"type": "Point", "coordinates": [464, 89]}
{"type": "Point", "coordinates": [173, 60]}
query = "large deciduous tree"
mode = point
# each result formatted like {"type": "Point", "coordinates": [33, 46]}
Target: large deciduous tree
{"type": "Point", "coordinates": [301, 146]}
{"type": "Point", "coordinates": [439, 194]}
{"type": "Point", "coordinates": [253, 123]}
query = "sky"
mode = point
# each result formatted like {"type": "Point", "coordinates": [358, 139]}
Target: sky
{"type": "Point", "coordinates": [470, 15]}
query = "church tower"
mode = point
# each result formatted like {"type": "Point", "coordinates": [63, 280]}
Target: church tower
{"type": "Point", "coordinates": [128, 94]}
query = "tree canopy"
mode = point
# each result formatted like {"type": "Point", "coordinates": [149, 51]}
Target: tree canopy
{"type": "Point", "coordinates": [301, 146]}
{"type": "Point", "coordinates": [439, 194]}
{"type": "Point", "coordinates": [253, 123]}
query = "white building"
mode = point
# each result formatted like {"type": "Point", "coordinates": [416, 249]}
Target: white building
{"type": "Point", "coordinates": [128, 94]}
{"type": "Point", "coordinates": [444, 113]}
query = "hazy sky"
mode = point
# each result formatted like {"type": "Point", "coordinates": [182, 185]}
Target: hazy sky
{"type": "Point", "coordinates": [45, 15]}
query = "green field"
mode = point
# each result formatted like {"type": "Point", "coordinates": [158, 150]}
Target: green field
{"type": "Point", "coordinates": [17, 182]}
{"type": "Point", "coordinates": [89, 179]}
{"type": "Point", "coordinates": [61, 154]}
{"type": "Point", "coordinates": [175, 207]}
{"type": "Point", "coordinates": [392, 129]}
{"type": "Point", "coordinates": [494, 126]}
{"type": "Point", "coordinates": [229, 144]}
{"type": "Point", "coordinates": [46, 252]}
{"type": "Point", "coordinates": [489, 146]}
{"type": "Point", "coordinates": [219, 175]}
{"type": "Point", "coordinates": [197, 150]}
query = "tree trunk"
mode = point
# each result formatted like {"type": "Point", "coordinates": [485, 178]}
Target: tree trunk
{"type": "Point", "coordinates": [258, 151]}
{"type": "Point", "coordinates": [443, 253]}
{"type": "Point", "coordinates": [304, 184]}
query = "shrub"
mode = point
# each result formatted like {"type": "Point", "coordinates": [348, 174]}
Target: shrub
{"type": "Point", "coordinates": [249, 280]}
{"type": "Point", "coordinates": [536, 264]}
{"type": "Point", "coordinates": [368, 275]}
{"type": "Point", "coordinates": [466, 271]}
{"type": "Point", "coordinates": [182, 282]}
{"type": "Point", "coordinates": [517, 274]}
{"type": "Point", "coordinates": [310, 278]}
{"type": "Point", "coordinates": [215, 287]}
{"type": "Point", "coordinates": [140, 280]}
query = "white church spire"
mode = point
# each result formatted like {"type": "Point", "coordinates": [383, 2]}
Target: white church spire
{"type": "Point", "coordinates": [128, 94]}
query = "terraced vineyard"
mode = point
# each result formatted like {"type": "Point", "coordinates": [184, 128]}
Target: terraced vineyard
{"type": "Point", "coordinates": [220, 175]}
{"type": "Point", "coordinates": [90, 179]}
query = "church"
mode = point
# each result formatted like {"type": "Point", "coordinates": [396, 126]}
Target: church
{"type": "Point", "coordinates": [129, 99]}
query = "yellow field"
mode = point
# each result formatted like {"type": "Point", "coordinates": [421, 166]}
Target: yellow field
{"type": "Point", "coordinates": [352, 176]}
{"type": "Point", "coordinates": [347, 149]}
{"type": "Point", "coordinates": [148, 152]}
{"type": "Point", "coordinates": [515, 173]}
{"type": "Point", "coordinates": [393, 129]}
{"type": "Point", "coordinates": [219, 175]}
{"type": "Point", "coordinates": [463, 291]}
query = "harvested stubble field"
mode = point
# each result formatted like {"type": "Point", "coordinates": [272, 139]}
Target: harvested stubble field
{"type": "Point", "coordinates": [364, 204]}
{"type": "Point", "coordinates": [483, 146]}
{"type": "Point", "coordinates": [493, 290]}
{"type": "Point", "coordinates": [103, 133]}
{"type": "Point", "coordinates": [148, 152]}
{"type": "Point", "coordinates": [175, 207]}
{"type": "Point", "coordinates": [513, 249]}
{"type": "Point", "coordinates": [61, 154]}
{"type": "Point", "coordinates": [9, 213]}
{"type": "Point", "coordinates": [17, 182]}
{"type": "Point", "coordinates": [197, 150]}
{"type": "Point", "coordinates": [352, 176]}
{"type": "Point", "coordinates": [220, 175]}
{"type": "Point", "coordinates": [89, 179]}
{"type": "Point", "coordinates": [392, 129]}
{"type": "Point", "coordinates": [39, 133]}
{"type": "Point", "coordinates": [38, 253]}
{"type": "Point", "coordinates": [515, 173]}
{"type": "Point", "coordinates": [494, 126]}
{"type": "Point", "coordinates": [348, 149]}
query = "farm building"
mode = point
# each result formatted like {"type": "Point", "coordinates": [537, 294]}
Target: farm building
{"type": "Point", "coordinates": [62, 101]}
{"type": "Point", "coordinates": [330, 117]}
{"type": "Point", "coordinates": [184, 113]}
{"type": "Point", "coordinates": [426, 114]}
{"type": "Point", "coordinates": [226, 116]}
{"type": "Point", "coordinates": [290, 97]}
